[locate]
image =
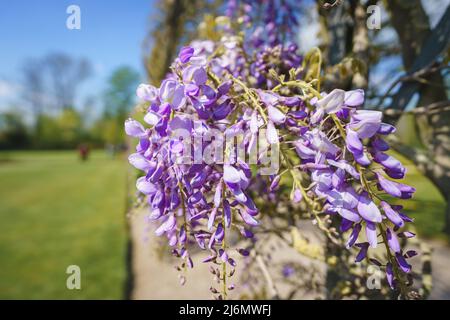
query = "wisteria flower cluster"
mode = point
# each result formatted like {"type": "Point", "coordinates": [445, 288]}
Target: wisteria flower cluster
{"type": "Point", "coordinates": [213, 135]}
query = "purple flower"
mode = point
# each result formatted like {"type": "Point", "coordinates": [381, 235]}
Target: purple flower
{"type": "Point", "coordinates": [195, 74]}
{"type": "Point", "coordinates": [345, 225]}
{"type": "Point", "coordinates": [224, 87]}
{"type": "Point", "coordinates": [411, 253]}
{"type": "Point", "coordinates": [152, 118]}
{"type": "Point", "coordinates": [393, 166]}
{"type": "Point", "coordinates": [345, 198]}
{"type": "Point", "coordinates": [367, 209]}
{"type": "Point", "coordinates": [272, 133]}
{"type": "Point", "coordinates": [246, 233]}
{"type": "Point", "coordinates": [248, 219]}
{"type": "Point", "coordinates": [275, 183]}
{"type": "Point", "coordinates": [331, 103]}
{"type": "Point", "coordinates": [288, 271]}
{"type": "Point", "coordinates": [386, 129]}
{"type": "Point", "coordinates": [202, 99]}
{"type": "Point", "coordinates": [406, 234]}
{"type": "Point", "coordinates": [298, 115]}
{"type": "Point", "coordinates": [167, 226]}
{"type": "Point", "coordinates": [223, 255]}
{"type": "Point", "coordinates": [342, 164]}
{"type": "Point", "coordinates": [275, 115]}
{"type": "Point", "coordinates": [304, 151]}
{"type": "Point", "coordinates": [147, 92]}
{"type": "Point", "coordinates": [222, 111]}
{"type": "Point", "coordinates": [227, 213]}
{"type": "Point", "coordinates": [321, 143]}
{"type": "Point", "coordinates": [145, 186]}
{"type": "Point", "coordinates": [212, 218]}
{"type": "Point", "coordinates": [354, 98]}
{"type": "Point", "coordinates": [297, 196]}
{"type": "Point", "coordinates": [362, 251]}
{"type": "Point", "coordinates": [354, 144]}
{"type": "Point", "coordinates": [220, 233]}
{"type": "Point", "coordinates": [134, 129]}
{"type": "Point", "coordinates": [379, 144]}
{"type": "Point", "coordinates": [395, 189]}
{"type": "Point", "coordinates": [353, 236]}
{"type": "Point", "coordinates": [185, 54]}
{"type": "Point", "coordinates": [140, 162]}
{"type": "Point", "coordinates": [293, 102]}
{"type": "Point", "coordinates": [371, 234]}
{"type": "Point", "coordinates": [218, 195]}
{"type": "Point", "coordinates": [231, 174]}
{"type": "Point", "coordinates": [404, 265]}
{"type": "Point", "coordinates": [390, 275]}
{"type": "Point", "coordinates": [392, 215]}
{"type": "Point", "coordinates": [365, 123]}
{"type": "Point", "coordinates": [349, 214]}
{"type": "Point", "coordinates": [389, 186]}
{"type": "Point", "coordinates": [392, 240]}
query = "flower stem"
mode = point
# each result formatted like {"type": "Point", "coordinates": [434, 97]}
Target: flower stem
{"type": "Point", "coordinates": [403, 289]}
{"type": "Point", "coordinates": [224, 263]}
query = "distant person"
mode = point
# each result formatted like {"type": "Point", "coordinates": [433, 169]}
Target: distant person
{"type": "Point", "coordinates": [83, 150]}
{"type": "Point", "coordinates": [110, 150]}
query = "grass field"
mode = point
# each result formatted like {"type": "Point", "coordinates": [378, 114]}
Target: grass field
{"type": "Point", "coordinates": [56, 211]}
{"type": "Point", "coordinates": [427, 207]}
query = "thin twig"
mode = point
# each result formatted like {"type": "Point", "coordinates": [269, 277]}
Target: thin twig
{"type": "Point", "coordinates": [415, 76]}
{"type": "Point", "coordinates": [272, 288]}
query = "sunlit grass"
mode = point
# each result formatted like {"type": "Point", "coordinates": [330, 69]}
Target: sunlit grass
{"type": "Point", "coordinates": [427, 207]}
{"type": "Point", "coordinates": [56, 211]}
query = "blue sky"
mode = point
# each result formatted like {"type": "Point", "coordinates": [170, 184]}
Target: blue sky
{"type": "Point", "coordinates": [111, 35]}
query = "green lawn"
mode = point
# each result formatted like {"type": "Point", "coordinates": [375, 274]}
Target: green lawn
{"type": "Point", "coordinates": [427, 206]}
{"type": "Point", "coordinates": [56, 211]}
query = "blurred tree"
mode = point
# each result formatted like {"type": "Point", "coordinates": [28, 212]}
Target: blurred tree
{"type": "Point", "coordinates": [108, 131]}
{"type": "Point", "coordinates": [64, 131]}
{"type": "Point", "coordinates": [71, 128]}
{"type": "Point", "coordinates": [424, 54]}
{"type": "Point", "coordinates": [421, 52]}
{"type": "Point", "coordinates": [51, 84]}
{"type": "Point", "coordinates": [119, 99]}
{"type": "Point", "coordinates": [52, 81]}
{"type": "Point", "coordinates": [34, 95]}
{"type": "Point", "coordinates": [176, 24]}
{"type": "Point", "coordinates": [49, 137]}
{"type": "Point", "coordinates": [13, 131]}
{"type": "Point", "coordinates": [66, 74]}
{"type": "Point", "coordinates": [345, 42]}
{"type": "Point", "coordinates": [351, 51]}
{"type": "Point", "coordinates": [412, 26]}
{"type": "Point", "coordinates": [33, 81]}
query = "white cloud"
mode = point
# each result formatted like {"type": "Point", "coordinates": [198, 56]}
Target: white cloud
{"type": "Point", "coordinates": [308, 36]}
{"type": "Point", "coordinates": [8, 89]}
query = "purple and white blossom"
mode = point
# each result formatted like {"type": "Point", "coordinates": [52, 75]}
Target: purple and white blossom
{"type": "Point", "coordinates": [199, 191]}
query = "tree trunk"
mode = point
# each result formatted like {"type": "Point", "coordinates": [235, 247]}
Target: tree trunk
{"type": "Point", "coordinates": [412, 26]}
{"type": "Point", "coordinates": [361, 46]}
{"type": "Point", "coordinates": [435, 161]}
{"type": "Point", "coordinates": [439, 148]}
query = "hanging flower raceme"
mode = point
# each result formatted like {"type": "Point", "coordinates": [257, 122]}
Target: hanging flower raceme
{"type": "Point", "coordinates": [215, 140]}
